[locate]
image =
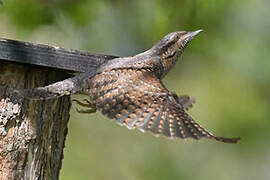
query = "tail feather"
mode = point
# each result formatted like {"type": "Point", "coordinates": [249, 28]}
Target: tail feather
{"type": "Point", "coordinates": [58, 89]}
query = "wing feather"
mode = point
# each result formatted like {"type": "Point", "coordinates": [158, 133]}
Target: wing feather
{"type": "Point", "coordinates": [138, 99]}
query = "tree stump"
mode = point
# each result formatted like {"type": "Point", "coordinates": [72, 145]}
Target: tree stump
{"type": "Point", "coordinates": [32, 132]}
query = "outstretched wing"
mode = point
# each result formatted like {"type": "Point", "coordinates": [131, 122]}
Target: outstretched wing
{"type": "Point", "coordinates": [186, 101]}
{"type": "Point", "coordinates": [138, 99]}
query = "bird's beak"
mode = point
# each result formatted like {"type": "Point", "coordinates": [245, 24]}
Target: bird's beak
{"type": "Point", "coordinates": [190, 35]}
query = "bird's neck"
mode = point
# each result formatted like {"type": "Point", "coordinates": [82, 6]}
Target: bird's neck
{"type": "Point", "coordinates": [168, 64]}
{"type": "Point", "coordinates": [159, 60]}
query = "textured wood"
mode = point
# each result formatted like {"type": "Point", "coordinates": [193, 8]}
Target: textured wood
{"type": "Point", "coordinates": [32, 133]}
{"type": "Point", "coordinates": [50, 56]}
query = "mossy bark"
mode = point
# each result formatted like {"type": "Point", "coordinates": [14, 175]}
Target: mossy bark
{"type": "Point", "coordinates": [32, 132]}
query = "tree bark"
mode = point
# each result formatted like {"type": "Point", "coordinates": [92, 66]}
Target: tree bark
{"type": "Point", "coordinates": [32, 132]}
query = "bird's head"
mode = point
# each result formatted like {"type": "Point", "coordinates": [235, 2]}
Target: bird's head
{"type": "Point", "coordinates": [171, 47]}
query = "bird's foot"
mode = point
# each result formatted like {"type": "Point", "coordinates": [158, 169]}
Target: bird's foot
{"type": "Point", "coordinates": [91, 107]}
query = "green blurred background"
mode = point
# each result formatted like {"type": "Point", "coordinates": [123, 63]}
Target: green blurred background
{"type": "Point", "coordinates": [227, 69]}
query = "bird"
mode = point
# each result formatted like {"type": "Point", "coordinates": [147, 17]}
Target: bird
{"type": "Point", "coordinates": [130, 90]}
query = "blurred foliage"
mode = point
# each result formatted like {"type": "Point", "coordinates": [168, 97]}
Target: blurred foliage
{"type": "Point", "coordinates": [226, 68]}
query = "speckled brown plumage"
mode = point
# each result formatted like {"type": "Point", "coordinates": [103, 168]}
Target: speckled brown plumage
{"type": "Point", "coordinates": [130, 90]}
{"type": "Point", "coordinates": [138, 99]}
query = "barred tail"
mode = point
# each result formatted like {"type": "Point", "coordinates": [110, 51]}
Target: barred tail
{"type": "Point", "coordinates": [58, 89]}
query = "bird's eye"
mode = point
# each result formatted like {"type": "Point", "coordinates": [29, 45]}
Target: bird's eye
{"type": "Point", "coordinates": [170, 56]}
